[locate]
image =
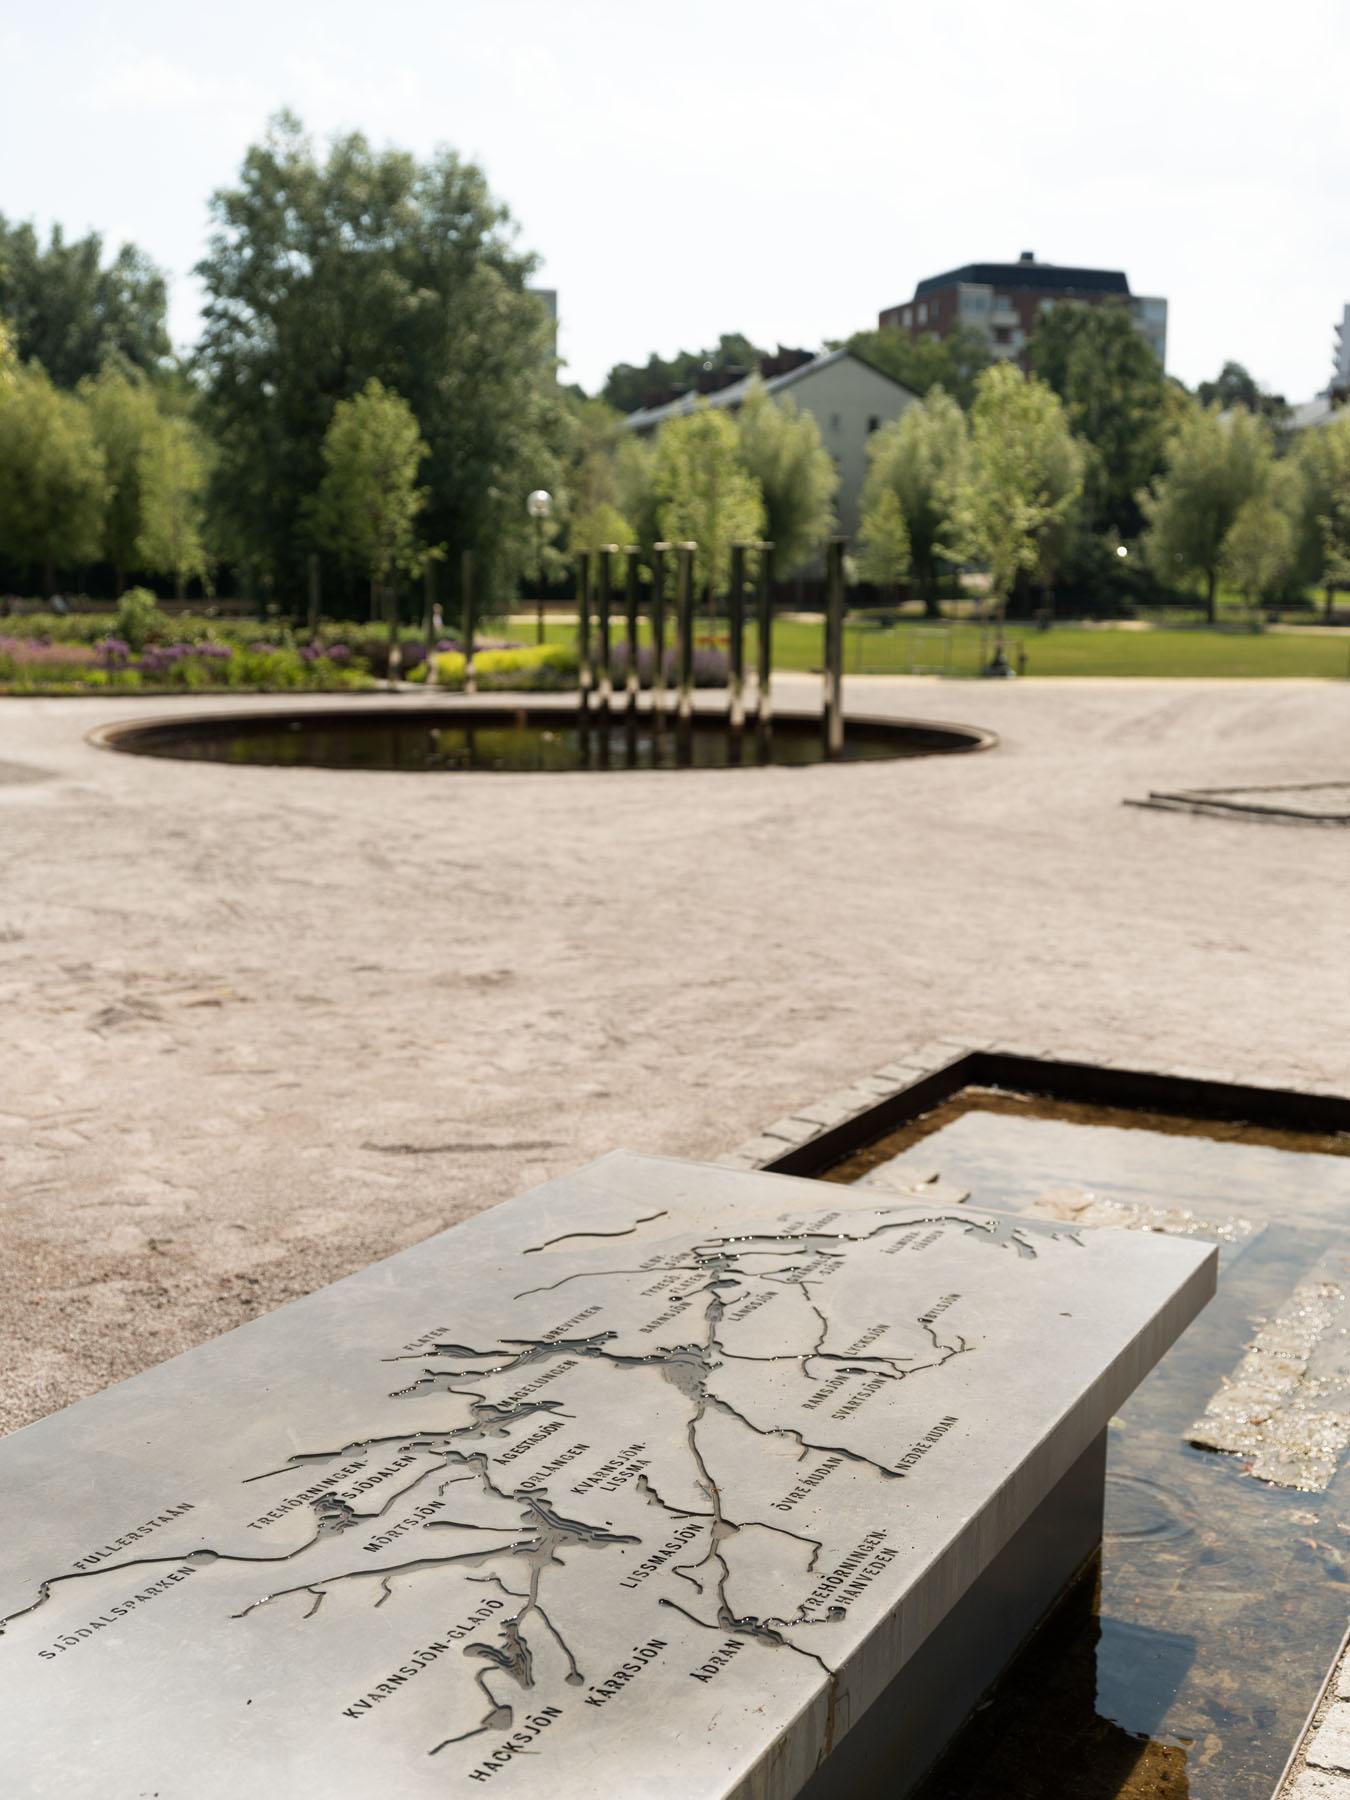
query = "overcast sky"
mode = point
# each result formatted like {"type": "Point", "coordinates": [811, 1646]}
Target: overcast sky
{"type": "Point", "coordinates": [780, 169]}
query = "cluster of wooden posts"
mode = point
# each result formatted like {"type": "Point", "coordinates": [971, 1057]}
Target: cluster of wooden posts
{"type": "Point", "coordinates": [598, 597]}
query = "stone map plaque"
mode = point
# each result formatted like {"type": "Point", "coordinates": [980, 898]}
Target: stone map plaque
{"type": "Point", "coordinates": [645, 1484]}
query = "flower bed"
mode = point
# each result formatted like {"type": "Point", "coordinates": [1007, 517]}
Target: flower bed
{"type": "Point", "coordinates": [35, 666]}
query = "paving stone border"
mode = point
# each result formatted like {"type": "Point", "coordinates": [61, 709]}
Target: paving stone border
{"type": "Point", "coordinates": [1319, 1768]}
{"type": "Point", "coordinates": [822, 1133]}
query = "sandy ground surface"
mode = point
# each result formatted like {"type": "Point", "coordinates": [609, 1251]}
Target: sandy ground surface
{"type": "Point", "coordinates": [259, 1027]}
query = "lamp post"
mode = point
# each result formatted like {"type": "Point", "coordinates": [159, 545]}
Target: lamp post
{"type": "Point", "coordinates": [539, 505]}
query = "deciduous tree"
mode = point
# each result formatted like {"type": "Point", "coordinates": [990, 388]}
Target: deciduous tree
{"type": "Point", "coordinates": [1323, 461]}
{"type": "Point", "coordinates": [1260, 545]}
{"type": "Point", "coordinates": [1114, 393]}
{"type": "Point", "coordinates": [782, 451]}
{"type": "Point", "coordinates": [1213, 465]}
{"type": "Point", "coordinates": [1023, 476]}
{"type": "Point", "coordinates": [953, 363]}
{"type": "Point", "coordinates": [598, 526]}
{"type": "Point", "coordinates": [71, 311]}
{"type": "Point", "coordinates": [884, 538]}
{"type": "Point", "coordinates": [53, 487]}
{"type": "Point", "coordinates": [628, 384]}
{"type": "Point", "coordinates": [705, 492]}
{"type": "Point", "coordinates": [126, 420]}
{"type": "Point", "coordinates": [915, 469]}
{"type": "Point", "coordinates": [368, 503]}
{"type": "Point", "coordinates": [173, 472]}
{"type": "Point", "coordinates": [325, 272]}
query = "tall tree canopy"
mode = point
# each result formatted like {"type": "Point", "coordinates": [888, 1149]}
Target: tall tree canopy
{"type": "Point", "coordinates": [368, 502]}
{"type": "Point", "coordinates": [952, 363]}
{"type": "Point", "coordinates": [1115, 395]}
{"type": "Point", "coordinates": [1023, 476]}
{"type": "Point", "coordinates": [1323, 461]}
{"type": "Point", "coordinates": [52, 483]}
{"type": "Point", "coordinates": [1235, 385]}
{"type": "Point", "coordinates": [323, 272]}
{"type": "Point", "coordinates": [127, 421]}
{"type": "Point", "coordinates": [1214, 464]}
{"type": "Point", "coordinates": [155, 460]}
{"type": "Point", "coordinates": [174, 467]}
{"type": "Point", "coordinates": [71, 311]}
{"type": "Point", "coordinates": [781, 449]}
{"type": "Point", "coordinates": [705, 492]}
{"type": "Point", "coordinates": [1261, 545]}
{"type": "Point", "coordinates": [627, 384]}
{"type": "Point", "coordinates": [915, 467]}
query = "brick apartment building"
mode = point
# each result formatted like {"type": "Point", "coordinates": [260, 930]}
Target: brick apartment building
{"type": "Point", "coordinates": [1004, 301]}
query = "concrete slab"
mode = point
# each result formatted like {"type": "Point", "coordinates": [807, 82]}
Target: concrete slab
{"type": "Point", "coordinates": [651, 1480]}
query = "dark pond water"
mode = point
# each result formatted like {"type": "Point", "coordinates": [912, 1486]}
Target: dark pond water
{"type": "Point", "coordinates": [1188, 1659]}
{"type": "Point", "coordinates": [515, 740]}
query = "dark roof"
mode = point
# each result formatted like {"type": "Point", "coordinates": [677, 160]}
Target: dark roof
{"type": "Point", "coordinates": [1042, 277]}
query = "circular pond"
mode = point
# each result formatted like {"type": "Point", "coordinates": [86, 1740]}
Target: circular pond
{"type": "Point", "coordinates": [517, 739]}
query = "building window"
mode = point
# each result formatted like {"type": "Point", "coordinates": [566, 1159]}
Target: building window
{"type": "Point", "coordinates": [923, 312]}
{"type": "Point", "coordinates": [1001, 334]}
{"type": "Point", "coordinates": [873, 424]}
{"type": "Point", "coordinates": [834, 421]}
{"type": "Point", "coordinates": [907, 316]}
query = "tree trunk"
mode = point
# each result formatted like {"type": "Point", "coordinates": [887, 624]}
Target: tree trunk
{"type": "Point", "coordinates": [119, 583]}
{"type": "Point", "coordinates": [1211, 584]}
{"type": "Point", "coordinates": [1329, 605]}
{"type": "Point", "coordinates": [928, 589]}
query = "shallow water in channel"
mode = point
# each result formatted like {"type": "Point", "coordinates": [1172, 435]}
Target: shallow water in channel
{"type": "Point", "coordinates": [1186, 1663]}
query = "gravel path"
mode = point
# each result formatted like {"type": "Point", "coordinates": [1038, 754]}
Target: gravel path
{"type": "Point", "coordinates": [259, 1027]}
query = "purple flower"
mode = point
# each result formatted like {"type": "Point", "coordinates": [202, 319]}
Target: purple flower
{"type": "Point", "coordinates": [113, 652]}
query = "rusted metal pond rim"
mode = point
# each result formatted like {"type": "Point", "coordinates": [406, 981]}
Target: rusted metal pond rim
{"type": "Point", "coordinates": [147, 736]}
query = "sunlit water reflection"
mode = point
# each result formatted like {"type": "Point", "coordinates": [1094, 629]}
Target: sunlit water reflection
{"type": "Point", "coordinates": [1188, 1665]}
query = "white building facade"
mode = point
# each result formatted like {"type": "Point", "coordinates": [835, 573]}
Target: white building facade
{"type": "Point", "coordinates": [848, 398]}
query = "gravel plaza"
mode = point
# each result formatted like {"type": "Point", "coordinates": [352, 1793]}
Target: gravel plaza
{"type": "Point", "coordinates": [263, 1026]}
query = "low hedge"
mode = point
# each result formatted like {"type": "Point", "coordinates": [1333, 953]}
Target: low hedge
{"type": "Point", "coordinates": [536, 669]}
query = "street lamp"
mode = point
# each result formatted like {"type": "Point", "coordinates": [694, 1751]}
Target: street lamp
{"type": "Point", "coordinates": [539, 505]}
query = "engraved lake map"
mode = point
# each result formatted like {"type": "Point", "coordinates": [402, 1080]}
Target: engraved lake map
{"type": "Point", "coordinates": [635, 1468]}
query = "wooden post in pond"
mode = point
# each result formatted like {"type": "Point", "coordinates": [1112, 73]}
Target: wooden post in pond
{"type": "Point", "coordinates": [429, 607]}
{"type": "Point", "coordinates": [632, 556]}
{"type": "Point", "coordinates": [395, 653]}
{"type": "Point", "coordinates": [764, 648]}
{"type": "Point", "coordinates": [470, 622]}
{"type": "Point", "coordinates": [832, 700]}
{"type": "Point", "coordinates": [584, 677]}
{"type": "Point", "coordinates": [659, 634]}
{"type": "Point", "coordinates": [684, 638]}
{"type": "Point", "coordinates": [606, 684]}
{"type": "Point", "coordinates": [315, 596]}
{"type": "Point", "coordinates": [736, 646]}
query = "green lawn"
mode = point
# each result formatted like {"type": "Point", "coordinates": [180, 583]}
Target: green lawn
{"type": "Point", "coordinates": [1064, 650]}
